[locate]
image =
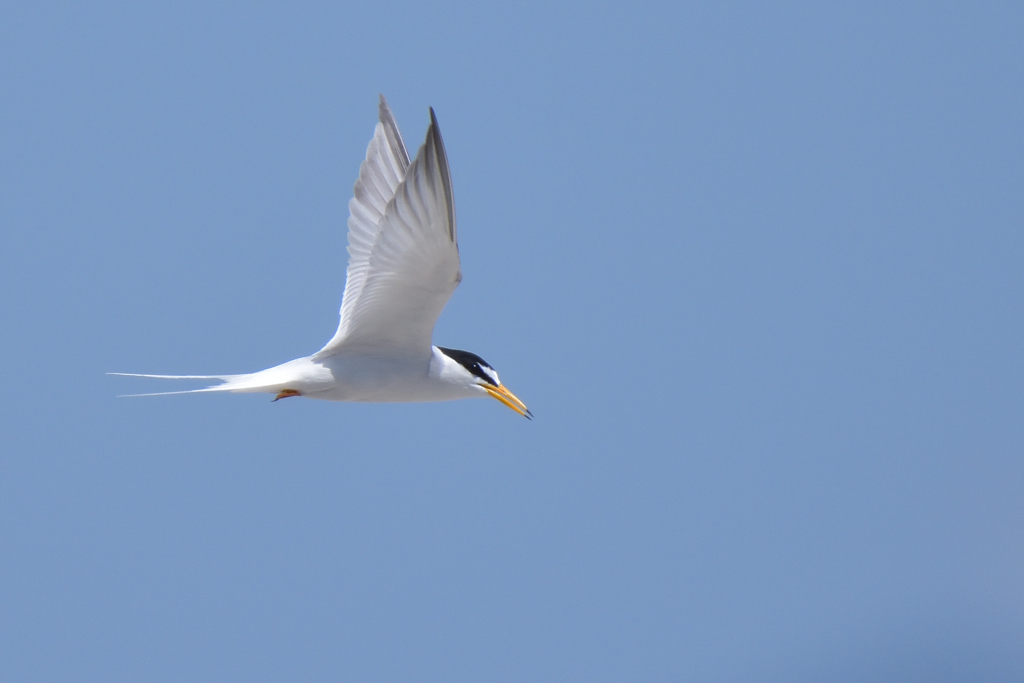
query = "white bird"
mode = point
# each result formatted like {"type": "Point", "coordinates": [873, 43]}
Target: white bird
{"type": "Point", "coordinates": [403, 266]}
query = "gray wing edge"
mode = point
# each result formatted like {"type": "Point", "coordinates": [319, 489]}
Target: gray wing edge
{"type": "Point", "coordinates": [434, 146]}
{"type": "Point", "coordinates": [391, 130]}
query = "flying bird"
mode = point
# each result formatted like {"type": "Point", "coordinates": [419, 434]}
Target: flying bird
{"type": "Point", "coordinates": [403, 266]}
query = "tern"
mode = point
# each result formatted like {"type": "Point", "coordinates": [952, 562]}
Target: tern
{"type": "Point", "coordinates": [403, 266]}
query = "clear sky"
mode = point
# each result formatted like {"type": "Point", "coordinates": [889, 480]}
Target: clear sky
{"type": "Point", "coordinates": [759, 273]}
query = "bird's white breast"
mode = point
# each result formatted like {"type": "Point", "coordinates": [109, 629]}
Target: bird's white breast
{"type": "Point", "coordinates": [369, 376]}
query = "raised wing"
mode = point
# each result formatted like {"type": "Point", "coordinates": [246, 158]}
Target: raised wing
{"type": "Point", "coordinates": [403, 253]}
{"type": "Point", "coordinates": [379, 175]}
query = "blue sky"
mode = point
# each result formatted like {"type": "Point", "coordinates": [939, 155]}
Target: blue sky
{"type": "Point", "coordinates": [757, 272]}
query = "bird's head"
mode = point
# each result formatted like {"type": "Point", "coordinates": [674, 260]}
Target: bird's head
{"type": "Point", "coordinates": [475, 372]}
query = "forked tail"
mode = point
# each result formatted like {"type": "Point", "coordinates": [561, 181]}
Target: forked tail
{"type": "Point", "coordinates": [235, 383]}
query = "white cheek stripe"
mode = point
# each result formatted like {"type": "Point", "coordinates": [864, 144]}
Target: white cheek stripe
{"type": "Point", "coordinates": [492, 374]}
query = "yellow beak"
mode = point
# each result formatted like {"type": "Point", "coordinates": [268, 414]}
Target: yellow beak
{"type": "Point", "coordinates": [508, 398]}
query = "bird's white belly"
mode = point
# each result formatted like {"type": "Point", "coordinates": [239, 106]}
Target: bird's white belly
{"type": "Point", "coordinates": [372, 379]}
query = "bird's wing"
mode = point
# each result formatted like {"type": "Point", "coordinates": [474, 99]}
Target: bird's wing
{"type": "Point", "coordinates": [381, 172]}
{"type": "Point", "coordinates": [403, 253]}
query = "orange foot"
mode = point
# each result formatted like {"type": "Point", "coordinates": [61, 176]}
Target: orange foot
{"type": "Point", "coordinates": [286, 393]}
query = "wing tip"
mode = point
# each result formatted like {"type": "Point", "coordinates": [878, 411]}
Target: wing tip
{"type": "Point", "coordinates": [435, 141]}
{"type": "Point", "coordinates": [387, 120]}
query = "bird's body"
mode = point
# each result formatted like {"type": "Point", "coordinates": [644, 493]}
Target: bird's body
{"type": "Point", "coordinates": [403, 267]}
{"type": "Point", "coordinates": [361, 376]}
